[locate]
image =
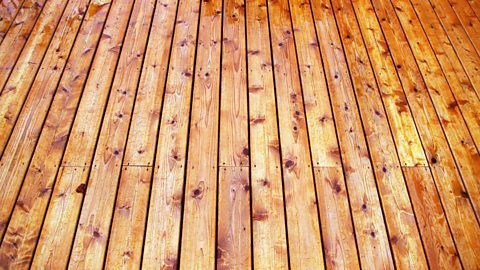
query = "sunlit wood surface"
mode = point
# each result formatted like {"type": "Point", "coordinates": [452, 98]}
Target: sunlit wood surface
{"type": "Point", "coordinates": [239, 134]}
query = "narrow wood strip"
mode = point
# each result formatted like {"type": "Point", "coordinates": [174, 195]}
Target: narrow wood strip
{"type": "Point", "coordinates": [300, 199]}
{"type": "Point", "coordinates": [463, 90]}
{"type": "Point", "coordinates": [234, 110]}
{"type": "Point", "coordinates": [130, 213]}
{"type": "Point", "coordinates": [467, 17]}
{"type": "Point", "coordinates": [25, 70]}
{"type": "Point", "coordinates": [162, 238]}
{"type": "Point", "coordinates": [8, 12]}
{"type": "Point", "coordinates": [436, 235]}
{"type": "Point", "coordinates": [60, 222]}
{"type": "Point", "coordinates": [339, 239]}
{"type": "Point", "coordinates": [444, 15]}
{"type": "Point", "coordinates": [234, 230]}
{"type": "Point", "coordinates": [234, 247]}
{"type": "Point", "coordinates": [268, 214]}
{"type": "Point", "coordinates": [93, 229]}
{"type": "Point", "coordinates": [372, 239]}
{"type": "Point", "coordinates": [392, 94]}
{"type": "Point", "coordinates": [462, 144]}
{"type": "Point", "coordinates": [15, 160]}
{"type": "Point", "coordinates": [457, 207]}
{"type": "Point", "coordinates": [200, 197]}
{"type": "Point", "coordinates": [18, 35]}
{"type": "Point", "coordinates": [338, 231]}
{"type": "Point", "coordinates": [129, 221]}
{"type": "Point", "coordinates": [35, 193]}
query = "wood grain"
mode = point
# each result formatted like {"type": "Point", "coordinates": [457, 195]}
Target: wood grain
{"type": "Point", "coordinates": [407, 246]}
{"type": "Point", "coordinates": [458, 209]}
{"type": "Point", "coordinates": [37, 184]}
{"type": "Point", "coordinates": [71, 182]}
{"type": "Point", "coordinates": [463, 145]}
{"type": "Point", "coordinates": [268, 214]}
{"type": "Point", "coordinates": [162, 237]}
{"type": "Point", "coordinates": [18, 35]}
{"type": "Point", "coordinates": [340, 246]}
{"type": "Point", "coordinates": [467, 17]}
{"type": "Point", "coordinates": [270, 134]}
{"type": "Point", "coordinates": [233, 233]}
{"type": "Point", "coordinates": [300, 200]}
{"type": "Point", "coordinates": [392, 94]}
{"type": "Point", "coordinates": [129, 221]}
{"type": "Point", "coordinates": [13, 164]}
{"type": "Point", "coordinates": [201, 180]}
{"type": "Point", "coordinates": [444, 16]}
{"type": "Point", "coordinates": [8, 12]}
{"type": "Point", "coordinates": [90, 245]}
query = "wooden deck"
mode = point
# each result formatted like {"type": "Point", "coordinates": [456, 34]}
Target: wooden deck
{"type": "Point", "coordinates": [237, 134]}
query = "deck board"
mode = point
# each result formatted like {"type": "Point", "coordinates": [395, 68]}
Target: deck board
{"type": "Point", "coordinates": [269, 134]}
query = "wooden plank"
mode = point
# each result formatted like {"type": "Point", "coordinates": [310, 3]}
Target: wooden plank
{"type": "Point", "coordinates": [93, 229]}
{"type": "Point", "coordinates": [457, 207]}
{"type": "Point", "coordinates": [129, 221]}
{"type": "Point", "coordinates": [60, 223]}
{"type": "Point", "coordinates": [130, 213]}
{"type": "Point", "coordinates": [37, 185]}
{"type": "Point", "coordinates": [367, 215]}
{"type": "Point", "coordinates": [23, 74]}
{"type": "Point", "coordinates": [392, 93]}
{"type": "Point", "coordinates": [462, 144]}
{"type": "Point", "coordinates": [338, 231]}
{"type": "Point", "coordinates": [165, 210]}
{"type": "Point", "coordinates": [339, 239]}
{"type": "Point", "coordinates": [233, 232]}
{"type": "Point", "coordinates": [200, 197]}
{"type": "Point", "coordinates": [462, 89]}
{"type": "Point", "coordinates": [436, 235]}
{"type": "Point", "coordinates": [456, 35]}
{"type": "Point", "coordinates": [268, 216]}
{"type": "Point", "coordinates": [407, 246]}
{"type": "Point", "coordinates": [300, 200]}
{"type": "Point", "coordinates": [234, 109]}
{"type": "Point", "coordinates": [234, 247]}
{"type": "Point", "coordinates": [18, 35]}
{"type": "Point", "coordinates": [15, 160]}
{"type": "Point", "coordinates": [467, 17]}
{"type": "Point", "coordinates": [8, 12]}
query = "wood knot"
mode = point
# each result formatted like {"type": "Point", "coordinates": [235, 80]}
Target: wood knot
{"type": "Point", "coordinates": [289, 164]}
{"type": "Point", "coordinates": [197, 193]}
{"type": "Point", "coordinates": [394, 239]}
{"type": "Point", "coordinates": [336, 187]}
{"type": "Point", "coordinates": [81, 188]}
{"type": "Point", "coordinates": [260, 215]}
